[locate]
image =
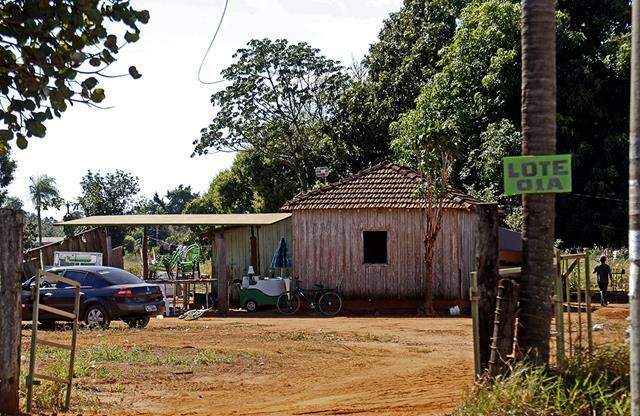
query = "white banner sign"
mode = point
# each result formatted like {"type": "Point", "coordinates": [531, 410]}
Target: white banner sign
{"type": "Point", "coordinates": [76, 258]}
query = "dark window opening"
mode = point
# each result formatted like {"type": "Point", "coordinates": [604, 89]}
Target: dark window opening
{"type": "Point", "coordinates": [375, 247]}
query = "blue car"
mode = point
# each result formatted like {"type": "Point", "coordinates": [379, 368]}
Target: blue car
{"type": "Point", "coordinates": [106, 293]}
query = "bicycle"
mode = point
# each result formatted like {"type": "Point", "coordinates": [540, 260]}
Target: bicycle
{"type": "Point", "coordinates": [328, 301]}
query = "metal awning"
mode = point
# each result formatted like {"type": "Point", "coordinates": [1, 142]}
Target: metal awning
{"type": "Point", "coordinates": [179, 219]}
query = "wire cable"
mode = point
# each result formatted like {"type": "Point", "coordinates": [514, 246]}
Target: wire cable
{"type": "Point", "coordinates": [215, 35]}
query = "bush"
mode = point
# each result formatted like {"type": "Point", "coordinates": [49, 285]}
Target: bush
{"type": "Point", "coordinates": [597, 385]}
{"type": "Point", "coordinates": [129, 244]}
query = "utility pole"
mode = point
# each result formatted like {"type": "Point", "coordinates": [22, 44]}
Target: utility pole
{"type": "Point", "coordinates": [634, 210]}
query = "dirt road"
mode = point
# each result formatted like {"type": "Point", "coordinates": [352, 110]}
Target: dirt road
{"type": "Point", "coordinates": [275, 366]}
{"type": "Point", "coordinates": [269, 365]}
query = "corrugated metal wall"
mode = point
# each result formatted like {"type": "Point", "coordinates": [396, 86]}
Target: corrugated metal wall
{"type": "Point", "coordinates": [328, 248]}
{"type": "Point", "coordinates": [239, 246]}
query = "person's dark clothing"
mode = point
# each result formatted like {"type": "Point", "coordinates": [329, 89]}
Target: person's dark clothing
{"type": "Point", "coordinates": [603, 271]}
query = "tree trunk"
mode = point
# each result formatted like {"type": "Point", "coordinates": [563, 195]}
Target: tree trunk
{"type": "Point", "coordinates": [11, 223]}
{"type": "Point", "coordinates": [538, 138]}
{"type": "Point", "coordinates": [488, 275]}
{"type": "Point", "coordinates": [428, 278]}
{"type": "Point", "coordinates": [223, 293]}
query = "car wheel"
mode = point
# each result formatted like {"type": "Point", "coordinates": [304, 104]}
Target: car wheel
{"type": "Point", "coordinates": [97, 317]}
{"type": "Point", "coordinates": [251, 306]}
{"type": "Point", "coordinates": [137, 322]}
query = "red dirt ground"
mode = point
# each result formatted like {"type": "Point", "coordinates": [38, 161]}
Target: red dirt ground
{"type": "Point", "coordinates": [287, 366]}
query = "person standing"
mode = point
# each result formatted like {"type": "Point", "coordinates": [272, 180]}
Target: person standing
{"type": "Point", "coordinates": [603, 271]}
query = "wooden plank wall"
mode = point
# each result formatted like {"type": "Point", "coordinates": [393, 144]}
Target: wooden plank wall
{"type": "Point", "coordinates": [94, 240]}
{"type": "Point", "coordinates": [327, 248]}
{"type": "Point", "coordinates": [239, 247]}
{"type": "Point", "coordinates": [117, 257]}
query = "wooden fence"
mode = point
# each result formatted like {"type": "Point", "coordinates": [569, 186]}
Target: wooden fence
{"type": "Point", "coordinates": [95, 240]}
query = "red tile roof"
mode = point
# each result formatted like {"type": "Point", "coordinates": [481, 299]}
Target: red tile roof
{"type": "Point", "coordinates": [386, 185]}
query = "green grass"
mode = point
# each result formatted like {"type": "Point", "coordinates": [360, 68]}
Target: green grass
{"type": "Point", "coordinates": [597, 385]}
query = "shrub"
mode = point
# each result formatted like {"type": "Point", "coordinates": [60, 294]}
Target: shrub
{"type": "Point", "coordinates": [129, 244]}
{"type": "Point", "coordinates": [597, 385]}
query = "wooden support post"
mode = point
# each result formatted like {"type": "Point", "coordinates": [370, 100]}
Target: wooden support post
{"type": "Point", "coordinates": [109, 251]}
{"type": "Point", "coordinates": [11, 224]}
{"type": "Point", "coordinates": [473, 297]}
{"type": "Point", "coordinates": [145, 253]}
{"type": "Point", "coordinates": [579, 299]}
{"type": "Point", "coordinates": [212, 240]}
{"type": "Point", "coordinates": [569, 326]}
{"type": "Point", "coordinates": [504, 326]}
{"type": "Point", "coordinates": [487, 276]}
{"type": "Point", "coordinates": [223, 295]}
{"type": "Point", "coordinates": [559, 311]}
{"type": "Point", "coordinates": [253, 241]}
{"type": "Point", "coordinates": [587, 273]}
{"type": "Point", "coordinates": [259, 269]}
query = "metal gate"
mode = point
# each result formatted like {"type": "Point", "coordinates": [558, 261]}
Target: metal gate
{"type": "Point", "coordinates": [573, 289]}
{"type": "Point", "coordinates": [33, 377]}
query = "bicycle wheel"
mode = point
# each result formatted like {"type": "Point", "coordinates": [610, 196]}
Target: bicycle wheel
{"type": "Point", "coordinates": [330, 303]}
{"type": "Point", "coordinates": [288, 303]}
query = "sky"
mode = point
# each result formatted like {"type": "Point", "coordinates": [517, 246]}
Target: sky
{"type": "Point", "coordinates": [154, 120]}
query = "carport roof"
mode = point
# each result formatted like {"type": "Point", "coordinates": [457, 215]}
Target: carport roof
{"type": "Point", "coordinates": [179, 219]}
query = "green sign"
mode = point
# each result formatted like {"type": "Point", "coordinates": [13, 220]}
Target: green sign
{"type": "Point", "coordinates": [537, 174]}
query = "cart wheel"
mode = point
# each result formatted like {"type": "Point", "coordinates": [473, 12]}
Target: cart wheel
{"type": "Point", "coordinates": [251, 306]}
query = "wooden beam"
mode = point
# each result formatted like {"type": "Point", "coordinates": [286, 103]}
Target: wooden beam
{"type": "Point", "coordinates": [145, 253]}
{"type": "Point", "coordinates": [109, 251]}
{"type": "Point", "coordinates": [223, 296]}
{"type": "Point", "coordinates": [11, 224]}
{"type": "Point", "coordinates": [212, 241]}
{"type": "Point", "coordinates": [254, 251]}
{"type": "Point", "coordinates": [488, 276]}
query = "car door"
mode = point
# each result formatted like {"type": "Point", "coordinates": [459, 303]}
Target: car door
{"type": "Point", "coordinates": [64, 295]}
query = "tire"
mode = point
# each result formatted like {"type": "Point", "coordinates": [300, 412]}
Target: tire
{"type": "Point", "coordinates": [138, 322]}
{"type": "Point", "coordinates": [97, 317]}
{"type": "Point", "coordinates": [288, 304]}
{"type": "Point", "coordinates": [251, 305]}
{"type": "Point", "coordinates": [330, 304]}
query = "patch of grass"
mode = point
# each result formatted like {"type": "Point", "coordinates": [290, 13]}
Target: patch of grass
{"type": "Point", "coordinates": [104, 362]}
{"type": "Point", "coordinates": [369, 337]}
{"type": "Point", "coordinates": [597, 385]}
{"type": "Point", "coordinates": [295, 336]}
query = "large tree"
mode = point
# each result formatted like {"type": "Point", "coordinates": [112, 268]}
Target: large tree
{"type": "Point", "coordinates": [398, 65]}
{"type": "Point", "coordinates": [7, 168]}
{"type": "Point", "coordinates": [111, 193]}
{"type": "Point", "coordinates": [52, 55]}
{"type": "Point", "coordinates": [538, 138]}
{"type": "Point", "coordinates": [280, 102]}
{"type": "Point", "coordinates": [477, 92]}
{"type": "Point", "coordinates": [44, 194]}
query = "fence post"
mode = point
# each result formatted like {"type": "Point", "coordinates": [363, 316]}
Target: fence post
{"type": "Point", "coordinates": [487, 275]}
{"type": "Point", "coordinates": [587, 273]}
{"type": "Point", "coordinates": [504, 326]}
{"type": "Point", "coordinates": [559, 309]}
{"type": "Point", "coordinates": [223, 296]}
{"type": "Point", "coordinates": [11, 223]}
{"type": "Point", "coordinates": [473, 296]}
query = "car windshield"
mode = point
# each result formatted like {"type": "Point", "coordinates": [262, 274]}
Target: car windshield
{"type": "Point", "coordinates": [118, 277]}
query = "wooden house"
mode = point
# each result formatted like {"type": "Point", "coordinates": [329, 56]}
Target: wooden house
{"type": "Point", "coordinates": [364, 234]}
